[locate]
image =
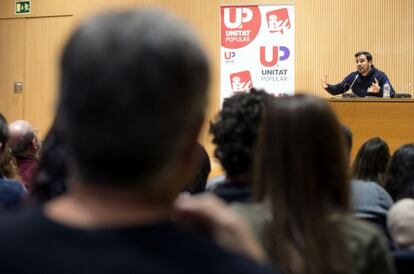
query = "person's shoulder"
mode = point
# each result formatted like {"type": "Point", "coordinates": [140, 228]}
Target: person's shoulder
{"type": "Point", "coordinates": [361, 185]}
{"type": "Point", "coordinates": [256, 215]}
{"type": "Point", "coordinates": [213, 258]}
{"type": "Point", "coordinates": [374, 189]}
{"type": "Point", "coordinates": [12, 193]}
{"type": "Point", "coordinates": [360, 232]}
{"type": "Point", "coordinates": [11, 183]}
{"type": "Point", "coordinates": [251, 212]}
{"type": "Point", "coordinates": [377, 72]}
{"type": "Point", "coordinates": [17, 220]}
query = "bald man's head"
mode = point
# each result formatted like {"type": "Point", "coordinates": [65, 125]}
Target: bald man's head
{"type": "Point", "coordinates": [23, 140]}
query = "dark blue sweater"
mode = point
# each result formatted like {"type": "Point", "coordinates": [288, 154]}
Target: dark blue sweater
{"type": "Point", "coordinates": [362, 83]}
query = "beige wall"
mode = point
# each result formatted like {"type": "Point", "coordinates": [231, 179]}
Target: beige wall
{"type": "Point", "coordinates": [328, 33]}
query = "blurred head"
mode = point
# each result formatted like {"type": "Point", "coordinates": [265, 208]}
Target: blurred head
{"type": "Point", "coordinates": [235, 129]}
{"type": "Point", "coordinates": [23, 139]}
{"type": "Point", "coordinates": [400, 220]}
{"type": "Point", "coordinates": [132, 96]}
{"type": "Point", "coordinates": [4, 136]}
{"type": "Point", "coordinates": [198, 184]}
{"type": "Point", "coordinates": [371, 161]}
{"type": "Point", "coordinates": [347, 134]}
{"type": "Point", "coordinates": [301, 157]}
{"type": "Point", "coordinates": [51, 175]}
{"type": "Point", "coordinates": [399, 177]}
{"type": "Point", "coordinates": [301, 171]}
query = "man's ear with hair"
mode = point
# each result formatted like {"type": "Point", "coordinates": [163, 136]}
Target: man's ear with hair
{"type": "Point", "coordinates": [189, 158]}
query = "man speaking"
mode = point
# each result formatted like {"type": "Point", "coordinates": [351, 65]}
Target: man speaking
{"type": "Point", "coordinates": [366, 81]}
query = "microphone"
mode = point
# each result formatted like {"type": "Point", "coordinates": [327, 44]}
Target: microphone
{"type": "Point", "coordinates": [356, 77]}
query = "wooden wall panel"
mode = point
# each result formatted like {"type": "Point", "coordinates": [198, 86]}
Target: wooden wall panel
{"type": "Point", "coordinates": [391, 120]}
{"type": "Point", "coordinates": [40, 8]}
{"type": "Point", "coordinates": [11, 67]}
{"type": "Point", "coordinates": [41, 68]}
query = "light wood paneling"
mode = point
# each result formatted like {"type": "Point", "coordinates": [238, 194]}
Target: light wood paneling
{"type": "Point", "coordinates": [39, 8]}
{"type": "Point", "coordinates": [392, 120]}
{"type": "Point", "coordinates": [44, 40]}
{"type": "Point", "coordinates": [11, 67]}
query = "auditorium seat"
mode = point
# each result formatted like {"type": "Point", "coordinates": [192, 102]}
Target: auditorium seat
{"type": "Point", "coordinates": [404, 261]}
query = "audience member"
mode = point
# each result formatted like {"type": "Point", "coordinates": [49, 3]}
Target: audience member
{"type": "Point", "coordinates": [198, 185]}
{"type": "Point", "coordinates": [401, 223]}
{"type": "Point", "coordinates": [119, 71]}
{"type": "Point", "coordinates": [8, 167]}
{"type": "Point", "coordinates": [234, 133]}
{"type": "Point", "coordinates": [399, 177]}
{"type": "Point", "coordinates": [12, 192]}
{"type": "Point", "coordinates": [369, 199]}
{"type": "Point", "coordinates": [348, 139]}
{"type": "Point", "coordinates": [25, 146]}
{"type": "Point", "coordinates": [371, 161]}
{"type": "Point", "coordinates": [301, 179]}
{"type": "Point", "coordinates": [51, 175]}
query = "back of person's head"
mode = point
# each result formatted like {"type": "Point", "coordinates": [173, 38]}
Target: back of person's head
{"type": "Point", "coordinates": [371, 161]}
{"type": "Point", "coordinates": [348, 140]}
{"type": "Point", "coordinates": [399, 177]}
{"type": "Point", "coordinates": [400, 221]}
{"type": "Point", "coordinates": [51, 175]}
{"type": "Point", "coordinates": [235, 129]}
{"type": "Point", "coordinates": [301, 170]}
{"type": "Point", "coordinates": [133, 92]}
{"type": "Point", "coordinates": [4, 132]}
{"type": "Point", "coordinates": [8, 166]}
{"type": "Point", "coordinates": [23, 139]}
{"type": "Point", "coordinates": [4, 136]}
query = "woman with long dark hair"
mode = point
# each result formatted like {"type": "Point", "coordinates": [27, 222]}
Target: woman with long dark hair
{"type": "Point", "coordinates": [399, 177]}
{"type": "Point", "coordinates": [301, 180]}
{"type": "Point", "coordinates": [371, 161]}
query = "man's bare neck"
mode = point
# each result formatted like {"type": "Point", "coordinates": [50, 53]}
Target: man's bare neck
{"type": "Point", "coordinates": [95, 207]}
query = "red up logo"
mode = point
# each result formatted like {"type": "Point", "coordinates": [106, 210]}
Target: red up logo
{"type": "Point", "coordinates": [241, 81]}
{"type": "Point", "coordinates": [275, 57]}
{"type": "Point", "coordinates": [278, 20]}
{"type": "Point", "coordinates": [240, 16]}
{"type": "Point", "coordinates": [239, 25]}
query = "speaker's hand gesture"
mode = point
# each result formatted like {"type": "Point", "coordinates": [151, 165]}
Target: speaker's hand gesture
{"type": "Point", "coordinates": [324, 81]}
{"type": "Point", "coordinates": [374, 88]}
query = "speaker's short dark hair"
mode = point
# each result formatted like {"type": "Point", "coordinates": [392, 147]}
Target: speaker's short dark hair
{"type": "Point", "coordinates": [133, 84]}
{"type": "Point", "coordinates": [366, 53]}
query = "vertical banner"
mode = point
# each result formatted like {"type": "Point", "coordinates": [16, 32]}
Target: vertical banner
{"type": "Point", "coordinates": [257, 49]}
